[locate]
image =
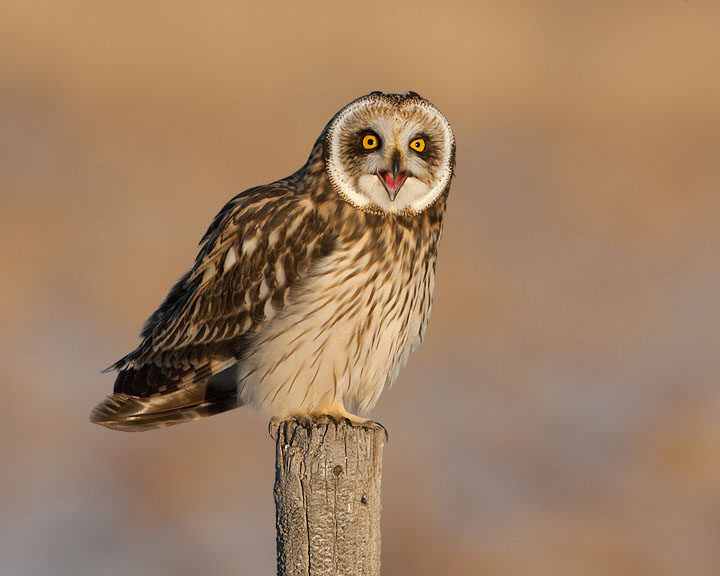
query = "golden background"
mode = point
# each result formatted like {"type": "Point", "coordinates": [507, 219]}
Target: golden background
{"type": "Point", "coordinates": [563, 415]}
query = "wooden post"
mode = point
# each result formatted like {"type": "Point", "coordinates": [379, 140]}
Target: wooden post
{"type": "Point", "coordinates": [327, 498]}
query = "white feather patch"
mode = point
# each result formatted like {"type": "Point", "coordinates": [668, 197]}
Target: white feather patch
{"type": "Point", "coordinates": [209, 273]}
{"type": "Point", "coordinates": [230, 259]}
{"type": "Point", "coordinates": [249, 245]}
{"type": "Point", "coordinates": [264, 289]}
{"type": "Point", "coordinates": [280, 273]}
{"type": "Point", "coordinates": [269, 309]}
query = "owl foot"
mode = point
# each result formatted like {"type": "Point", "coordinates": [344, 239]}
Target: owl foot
{"type": "Point", "coordinates": [309, 420]}
{"type": "Point", "coordinates": [343, 418]}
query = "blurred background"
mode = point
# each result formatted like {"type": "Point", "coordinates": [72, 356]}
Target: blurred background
{"type": "Point", "coordinates": [563, 415]}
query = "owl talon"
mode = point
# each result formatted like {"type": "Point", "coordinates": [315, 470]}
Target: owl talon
{"type": "Point", "coordinates": [372, 425]}
{"type": "Point", "coordinates": [273, 429]}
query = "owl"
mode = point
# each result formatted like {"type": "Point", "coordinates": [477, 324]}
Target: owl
{"type": "Point", "coordinates": [309, 294]}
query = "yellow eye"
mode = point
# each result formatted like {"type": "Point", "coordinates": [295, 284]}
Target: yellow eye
{"type": "Point", "coordinates": [370, 141]}
{"type": "Point", "coordinates": [418, 144]}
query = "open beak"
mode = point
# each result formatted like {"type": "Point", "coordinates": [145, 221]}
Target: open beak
{"type": "Point", "coordinates": [394, 180]}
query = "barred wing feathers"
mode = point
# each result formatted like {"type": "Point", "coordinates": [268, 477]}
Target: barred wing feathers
{"type": "Point", "coordinates": [256, 250]}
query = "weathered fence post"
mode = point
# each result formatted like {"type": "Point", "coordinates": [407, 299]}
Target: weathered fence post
{"type": "Point", "coordinates": [327, 498]}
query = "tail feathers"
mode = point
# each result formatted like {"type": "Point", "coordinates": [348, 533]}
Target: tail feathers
{"type": "Point", "coordinates": [129, 413]}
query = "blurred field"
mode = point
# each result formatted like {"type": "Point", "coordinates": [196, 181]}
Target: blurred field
{"type": "Point", "coordinates": [563, 415]}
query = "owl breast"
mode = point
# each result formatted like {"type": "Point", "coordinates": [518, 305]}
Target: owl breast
{"type": "Point", "coordinates": [348, 328]}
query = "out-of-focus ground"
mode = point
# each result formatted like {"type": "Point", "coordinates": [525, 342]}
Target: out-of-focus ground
{"type": "Point", "coordinates": [563, 415]}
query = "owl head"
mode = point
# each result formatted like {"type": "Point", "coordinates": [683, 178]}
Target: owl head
{"type": "Point", "coordinates": [389, 153]}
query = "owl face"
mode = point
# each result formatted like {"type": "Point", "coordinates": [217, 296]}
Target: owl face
{"type": "Point", "coordinates": [390, 153]}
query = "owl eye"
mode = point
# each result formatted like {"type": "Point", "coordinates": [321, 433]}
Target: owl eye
{"type": "Point", "coordinates": [418, 144]}
{"type": "Point", "coordinates": [370, 141]}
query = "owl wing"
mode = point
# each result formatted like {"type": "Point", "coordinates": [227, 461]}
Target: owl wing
{"type": "Point", "coordinates": [257, 248]}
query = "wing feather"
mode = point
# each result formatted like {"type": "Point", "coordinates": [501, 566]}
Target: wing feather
{"type": "Point", "coordinates": [256, 249]}
{"type": "Point", "coordinates": [259, 246]}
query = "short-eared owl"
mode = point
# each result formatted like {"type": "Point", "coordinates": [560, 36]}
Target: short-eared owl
{"type": "Point", "coordinates": [308, 294]}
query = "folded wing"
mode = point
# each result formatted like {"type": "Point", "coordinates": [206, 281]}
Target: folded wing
{"type": "Point", "coordinates": [257, 249]}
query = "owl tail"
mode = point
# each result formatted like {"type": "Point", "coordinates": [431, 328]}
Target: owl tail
{"type": "Point", "coordinates": [133, 413]}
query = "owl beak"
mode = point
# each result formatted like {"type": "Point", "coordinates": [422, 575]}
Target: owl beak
{"type": "Point", "coordinates": [394, 180]}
